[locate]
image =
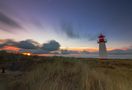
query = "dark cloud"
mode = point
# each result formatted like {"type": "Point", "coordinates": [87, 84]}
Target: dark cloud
{"type": "Point", "coordinates": [8, 22]}
{"type": "Point", "coordinates": [8, 42]}
{"type": "Point", "coordinates": [32, 46]}
{"type": "Point", "coordinates": [51, 46]}
{"type": "Point", "coordinates": [69, 30]}
{"type": "Point", "coordinates": [27, 44]}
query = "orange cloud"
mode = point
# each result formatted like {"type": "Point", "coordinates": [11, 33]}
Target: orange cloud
{"type": "Point", "coordinates": [11, 48]}
{"type": "Point", "coordinates": [2, 40]}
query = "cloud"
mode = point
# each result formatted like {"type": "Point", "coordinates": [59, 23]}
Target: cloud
{"type": "Point", "coordinates": [90, 37]}
{"type": "Point", "coordinates": [51, 46]}
{"type": "Point", "coordinates": [36, 22]}
{"type": "Point", "coordinates": [120, 51]}
{"type": "Point", "coordinates": [7, 22]}
{"type": "Point", "coordinates": [69, 30]}
{"type": "Point", "coordinates": [117, 51]}
{"type": "Point", "coordinates": [130, 47]}
{"type": "Point", "coordinates": [10, 48]}
{"type": "Point", "coordinates": [8, 42]}
{"type": "Point", "coordinates": [26, 44]}
{"type": "Point", "coordinates": [31, 45]}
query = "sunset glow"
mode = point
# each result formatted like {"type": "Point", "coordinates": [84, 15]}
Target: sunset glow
{"type": "Point", "coordinates": [75, 25]}
{"type": "Point", "coordinates": [65, 44]}
{"type": "Point", "coordinates": [12, 48]}
{"type": "Point", "coordinates": [27, 53]}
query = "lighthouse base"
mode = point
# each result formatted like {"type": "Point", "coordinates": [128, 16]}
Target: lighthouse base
{"type": "Point", "coordinates": [102, 50]}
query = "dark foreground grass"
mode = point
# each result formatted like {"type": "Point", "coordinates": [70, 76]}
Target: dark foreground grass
{"type": "Point", "coordinates": [59, 73]}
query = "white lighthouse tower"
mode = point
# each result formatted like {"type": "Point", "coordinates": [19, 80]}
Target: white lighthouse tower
{"type": "Point", "coordinates": [102, 46]}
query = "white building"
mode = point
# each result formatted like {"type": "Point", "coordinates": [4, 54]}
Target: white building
{"type": "Point", "coordinates": [102, 46]}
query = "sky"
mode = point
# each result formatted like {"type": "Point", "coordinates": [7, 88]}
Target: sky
{"type": "Point", "coordinates": [73, 23]}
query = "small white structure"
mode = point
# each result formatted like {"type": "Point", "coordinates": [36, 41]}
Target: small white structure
{"type": "Point", "coordinates": [102, 46]}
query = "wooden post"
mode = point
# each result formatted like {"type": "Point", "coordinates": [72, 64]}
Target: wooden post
{"type": "Point", "coordinates": [2, 70]}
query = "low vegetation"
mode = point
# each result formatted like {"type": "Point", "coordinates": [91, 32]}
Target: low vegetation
{"type": "Point", "coordinates": [59, 73]}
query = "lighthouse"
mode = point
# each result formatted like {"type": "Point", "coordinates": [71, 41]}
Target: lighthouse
{"type": "Point", "coordinates": [102, 46]}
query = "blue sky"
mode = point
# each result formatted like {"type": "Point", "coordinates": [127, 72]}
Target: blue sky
{"type": "Point", "coordinates": [73, 23]}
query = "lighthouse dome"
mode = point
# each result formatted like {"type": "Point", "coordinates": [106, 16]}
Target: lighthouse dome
{"type": "Point", "coordinates": [101, 36]}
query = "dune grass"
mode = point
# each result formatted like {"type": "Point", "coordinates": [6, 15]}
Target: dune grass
{"type": "Point", "coordinates": [79, 74]}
